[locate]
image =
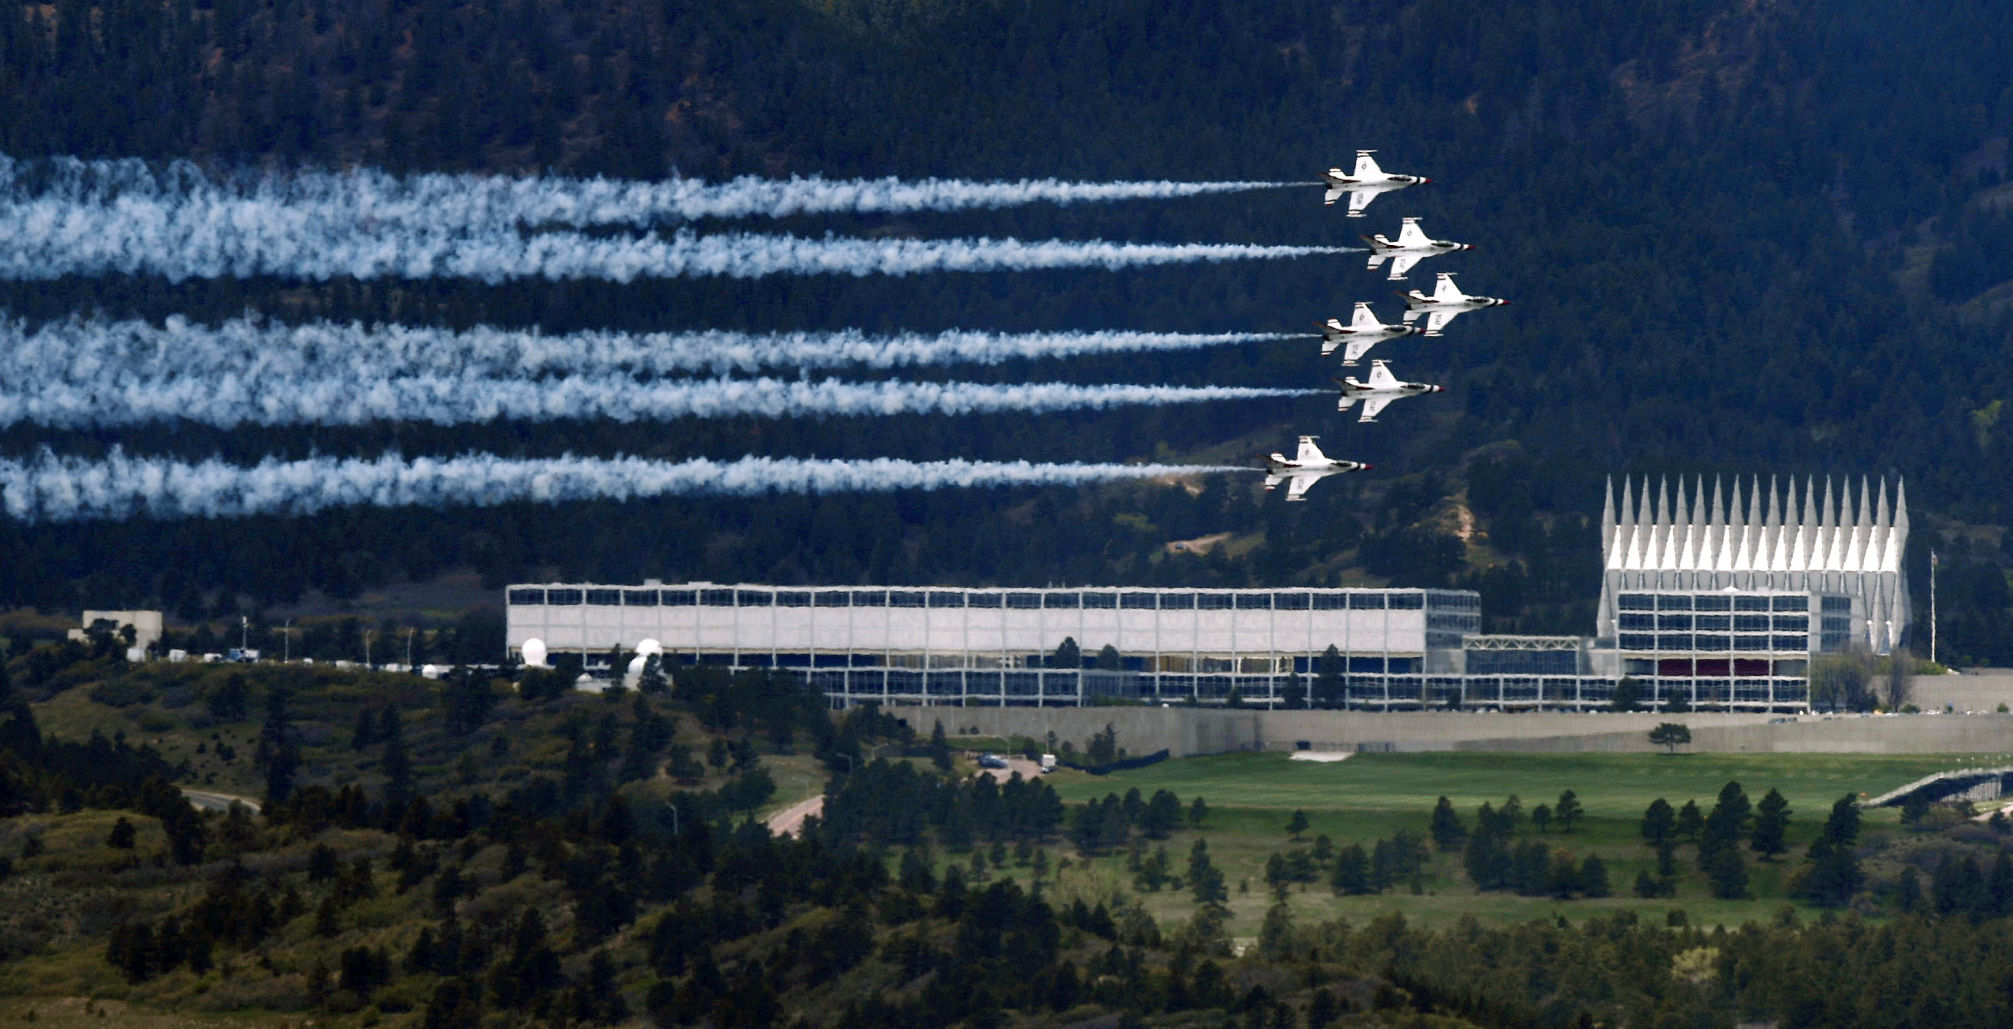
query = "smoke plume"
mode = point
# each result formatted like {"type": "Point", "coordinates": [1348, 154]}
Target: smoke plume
{"type": "Point", "coordinates": [61, 489]}
{"type": "Point", "coordinates": [229, 401]}
{"type": "Point", "coordinates": [95, 352]}
{"type": "Point", "coordinates": [466, 202]}
{"type": "Point", "coordinates": [198, 242]}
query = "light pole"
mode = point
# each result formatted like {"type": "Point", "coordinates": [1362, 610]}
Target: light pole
{"type": "Point", "coordinates": [287, 642]}
{"type": "Point", "coordinates": [1932, 607]}
{"type": "Point", "coordinates": [674, 818]}
{"type": "Point", "coordinates": [408, 648]}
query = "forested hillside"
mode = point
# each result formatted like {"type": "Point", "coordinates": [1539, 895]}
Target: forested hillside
{"type": "Point", "coordinates": [1740, 239]}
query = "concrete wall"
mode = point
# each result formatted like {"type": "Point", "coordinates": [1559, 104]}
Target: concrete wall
{"type": "Point", "coordinates": [1981, 690]}
{"type": "Point", "coordinates": [1190, 731]}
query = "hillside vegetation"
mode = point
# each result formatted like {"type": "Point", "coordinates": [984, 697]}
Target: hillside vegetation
{"type": "Point", "coordinates": [483, 851]}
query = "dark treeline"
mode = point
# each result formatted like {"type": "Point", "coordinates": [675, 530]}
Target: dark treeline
{"type": "Point", "coordinates": [1700, 211]}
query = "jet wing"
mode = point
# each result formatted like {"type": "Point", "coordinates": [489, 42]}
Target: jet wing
{"type": "Point", "coordinates": [1402, 263]}
{"type": "Point", "coordinates": [1372, 405]}
{"type": "Point", "coordinates": [1437, 320]}
{"type": "Point", "coordinates": [1359, 200]}
{"type": "Point", "coordinates": [1297, 488]}
{"type": "Point", "coordinates": [1411, 235]}
{"type": "Point", "coordinates": [1356, 349]}
{"type": "Point", "coordinates": [1381, 377]}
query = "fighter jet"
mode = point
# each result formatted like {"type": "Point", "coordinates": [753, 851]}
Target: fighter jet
{"type": "Point", "coordinates": [1364, 331]}
{"type": "Point", "coordinates": [1378, 393]}
{"type": "Point", "coordinates": [1411, 247]}
{"type": "Point", "coordinates": [1365, 183]}
{"type": "Point", "coordinates": [1307, 467]}
{"type": "Point", "coordinates": [1446, 302]}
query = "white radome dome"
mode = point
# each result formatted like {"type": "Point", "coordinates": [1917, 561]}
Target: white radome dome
{"type": "Point", "coordinates": [534, 652]}
{"type": "Point", "coordinates": [649, 647]}
{"type": "Point", "coordinates": [636, 664]}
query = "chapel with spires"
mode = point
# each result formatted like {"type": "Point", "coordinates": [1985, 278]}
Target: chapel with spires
{"type": "Point", "coordinates": [1799, 568]}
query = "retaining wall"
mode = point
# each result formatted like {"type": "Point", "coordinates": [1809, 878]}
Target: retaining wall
{"type": "Point", "coordinates": [1185, 731]}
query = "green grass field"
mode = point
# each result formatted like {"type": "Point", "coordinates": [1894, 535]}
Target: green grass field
{"type": "Point", "coordinates": [1371, 796]}
{"type": "Point", "coordinates": [1607, 784]}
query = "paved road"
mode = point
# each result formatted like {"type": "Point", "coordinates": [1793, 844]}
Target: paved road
{"type": "Point", "coordinates": [208, 801]}
{"type": "Point", "coordinates": [790, 820]}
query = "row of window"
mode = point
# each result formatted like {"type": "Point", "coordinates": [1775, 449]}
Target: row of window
{"type": "Point", "coordinates": [1357, 689]}
{"type": "Point", "coordinates": [1717, 602]}
{"type": "Point", "coordinates": [1302, 665]}
{"type": "Point", "coordinates": [1743, 623]}
{"type": "Point", "coordinates": [1711, 642]}
{"type": "Point", "coordinates": [525, 596]}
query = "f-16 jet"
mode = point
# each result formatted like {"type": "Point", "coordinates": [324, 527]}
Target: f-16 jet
{"type": "Point", "coordinates": [1378, 393]}
{"type": "Point", "coordinates": [1307, 467]}
{"type": "Point", "coordinates": [1365, 183]}
{"type": "Point", "coordinates": [1411, 247]}
{"type": "Point", "coordinates": [1364, 331]}
{"type": "Point", "coordinates": [1446, 301]}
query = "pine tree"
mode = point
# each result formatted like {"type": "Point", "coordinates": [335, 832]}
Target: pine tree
{"type": "Point", "coordinates": [1297, 824]}
{"type": "Point", "coordinates": [1567, 810]}
{"type": "Point", "coordinates": [1446, 828]}
{"type": "Point", "coordinates": [1352, 871]}
{"type": "Point", "coordinates": [1771, 824]}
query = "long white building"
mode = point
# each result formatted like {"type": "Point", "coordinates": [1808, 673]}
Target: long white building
{"type": "Point", "coordinates": [998, 645]}
{"type": "Point", "coordinates": [1724, 593]}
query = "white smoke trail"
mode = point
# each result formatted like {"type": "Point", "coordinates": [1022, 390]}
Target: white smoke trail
{"type": "Point", "coordinates": [463, 202]}
{"type": "Point", "coordinates": [230, 401]}
{"type": "Point", "coordinates": [42, 240]}
{"type": "Point", "coordinates": [61, 489]}
{"type": "Point", "coordinates": [95, 352]}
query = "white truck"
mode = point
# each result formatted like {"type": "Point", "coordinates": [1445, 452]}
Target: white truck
{"type": "Point", "coordinates": [1048, 763]}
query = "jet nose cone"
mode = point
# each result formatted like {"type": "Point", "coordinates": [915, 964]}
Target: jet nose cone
{"type": "Point", "coordinates": [1369, 467]}
{"type": "Point", "coordinates": [1439, 389]}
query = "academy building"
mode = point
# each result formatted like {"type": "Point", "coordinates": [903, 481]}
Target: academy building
{"type": "Point", "coordinates": [1719, 596]}
{"type": "Point", "coordinates": [1724, 598]}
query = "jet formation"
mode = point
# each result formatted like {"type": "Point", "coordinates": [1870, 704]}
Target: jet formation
{"type": "Point", "coordinates": [1365, 329]}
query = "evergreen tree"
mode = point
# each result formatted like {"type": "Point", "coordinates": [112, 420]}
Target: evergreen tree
{"type": "Point", "coordinates": [278, 748]}
{"type": "Point", "coordinates": [1771, 824]}
{"type": "Point", "coordinates": [365, 732]}
{"type": "Point", "coordinates": [1659, 825]}
{"type": "Point", "coordinates": [1352, 871]}
{"type": "Point", "coordinates": [1328, 681]}
{"type": "Point", "coordinates": [1690, 824]}
{"type": "Point", "coordinates": [1297, 824]}
{"type": "Point", "coordinates": [1567, 810]}
{"type": "Point", "coordinates": [1446, 829]}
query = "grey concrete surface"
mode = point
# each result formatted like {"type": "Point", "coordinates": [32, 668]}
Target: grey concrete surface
{"type": "Point", "coordinates": [1189, 731]}
{"type": "Point", "coordinates": [1982, 689]}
